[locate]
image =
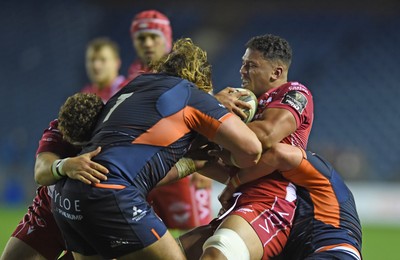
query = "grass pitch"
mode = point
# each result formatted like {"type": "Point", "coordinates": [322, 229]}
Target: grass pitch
{"type": "Point", "coordinates": [379, 242]}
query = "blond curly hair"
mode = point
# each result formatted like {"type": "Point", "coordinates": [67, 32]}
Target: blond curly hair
{"type": "Point", "coordinates": [187, 61]}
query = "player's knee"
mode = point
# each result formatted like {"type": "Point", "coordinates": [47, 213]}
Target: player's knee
{"type": "Point", "coordinates": [229, 244]}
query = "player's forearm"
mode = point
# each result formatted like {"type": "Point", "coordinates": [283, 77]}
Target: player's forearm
{"type": "Point", "coordinates": [280, 157]}
{"type": "Point", "coordinates": [215, 171]}
{"type": "Point", "coordinates": [262, 169]}
{"type": "Point", "coordinates": [184, 167]}
{"type": "Point", "coordinates": [243, 145]}
{"type": "Point", "coordinates": [43, 164]}
{"type": "Point", "coordinates": [171, 176]}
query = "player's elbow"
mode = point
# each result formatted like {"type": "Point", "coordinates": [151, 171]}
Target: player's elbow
{"type": "Point", "coordinates": [41, 177]}
{"type": "Point", "coordinates": [267, 142]}
{"type": "Point", "coordinates": [249, 156]}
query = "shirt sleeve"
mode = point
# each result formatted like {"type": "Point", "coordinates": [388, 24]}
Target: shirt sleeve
{"type": "Point", "coordinates": [296, 98]}
{"type": "Point", "coordinates": [52, 141]}
{"type": "Point", "coordinates": [204, 113]}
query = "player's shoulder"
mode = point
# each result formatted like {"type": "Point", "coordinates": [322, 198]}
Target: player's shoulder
{"type": "Point", "coordinates": [152, 80]}
{"type": "Point", "coordinates": [296, 86]}
{"type": "Point", "coordinates": [53, 125]}
{"type": "Point", "coordinates": [51, 132]}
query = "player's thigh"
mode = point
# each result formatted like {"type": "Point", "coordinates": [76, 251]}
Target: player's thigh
{"type": "Point", "coordinates": [247, 233]}
{"type": "Point", "coordinates": [193, 240]}
{"type": "Point", "coordinates": [17, 249]}
{"type": "Point", "coordinates": [165, 248]}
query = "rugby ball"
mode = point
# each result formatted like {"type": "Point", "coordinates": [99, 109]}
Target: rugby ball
{"type": "Point", "coordinates": [252, 100]}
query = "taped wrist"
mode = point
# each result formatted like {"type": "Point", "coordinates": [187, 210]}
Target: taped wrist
{"type": "Point", "coordinates": [185, 167]}
{"type": "Point", "coordinates": [57, 168]}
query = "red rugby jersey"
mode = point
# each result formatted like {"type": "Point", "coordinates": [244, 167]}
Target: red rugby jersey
{"type": "Point", "coordinates": [298, 99]}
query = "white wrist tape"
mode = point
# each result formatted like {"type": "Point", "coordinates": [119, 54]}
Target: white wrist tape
{"type": "Point", "coordinates": [229, 243]}
{"type": "Point", "coordinates": [56, 168]}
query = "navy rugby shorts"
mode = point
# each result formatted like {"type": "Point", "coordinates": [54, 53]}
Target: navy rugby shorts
{"type": "Point", "coordinates": [111, 221]}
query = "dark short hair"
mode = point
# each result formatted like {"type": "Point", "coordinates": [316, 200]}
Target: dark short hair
{"type": "Point", "coordinates": [272, 47]}
{"type": "Point", "coordinates": [78, 116]}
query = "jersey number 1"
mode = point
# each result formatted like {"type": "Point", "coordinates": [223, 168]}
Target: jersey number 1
{"type": "Point", "coordinates": [119, 102]}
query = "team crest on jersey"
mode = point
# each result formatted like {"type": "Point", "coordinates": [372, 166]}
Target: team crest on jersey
{"type": "Point", "coordinates": [296, 100]}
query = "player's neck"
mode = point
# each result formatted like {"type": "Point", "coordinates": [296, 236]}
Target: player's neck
{"type": "Point", "coordinates": [105, 83]}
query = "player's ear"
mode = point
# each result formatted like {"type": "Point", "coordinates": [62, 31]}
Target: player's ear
{"type": "Point", "coordinates": [278, 71]}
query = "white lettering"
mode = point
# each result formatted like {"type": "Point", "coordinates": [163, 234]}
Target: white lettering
{"type": "Point", "coordinates": [56, 194]}
{"type": "Point", "coordinates": [77, 205]}
{"type": "Point", "coordinates": [66, 203]}
{"type": "Point", "coordinates": [70, 216]}
{"type": "Point", "coordinates": [283, 214]}
{"type": "Point", "coordinates": [293, 104]}
{"type": "Point", "coordinates": [202, 200]}
{"type": "Point", "coordinates": [266, 228]}
{"type": "Point", "coordinates": [299, 87]}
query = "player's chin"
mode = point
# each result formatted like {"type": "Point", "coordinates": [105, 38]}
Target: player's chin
{"type": "Point", "coordinates": [244, 84]}
{"type": "Point", "coordinates": [150, 56]}
{"type": "Point", "coordinates": [98, 79]}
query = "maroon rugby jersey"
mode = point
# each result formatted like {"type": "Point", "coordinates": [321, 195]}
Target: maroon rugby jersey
{"type": "Point", "coordinates": [52, 141]}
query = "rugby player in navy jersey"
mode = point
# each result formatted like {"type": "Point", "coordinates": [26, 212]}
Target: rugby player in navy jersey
{"type": "Point", "coordinates": [326, 224]}
{"type": "Point", "coordinates": [143, 131]}
{"type": "Point", "coordinates": [186, 203]}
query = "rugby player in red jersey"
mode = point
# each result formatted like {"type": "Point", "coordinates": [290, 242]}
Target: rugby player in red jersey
{"type": "Point", "coordinates": [285, 114]}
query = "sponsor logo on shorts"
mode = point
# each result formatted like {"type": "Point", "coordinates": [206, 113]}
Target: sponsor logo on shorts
{"type": "Point", "coordinates": [245, 210]}
{"type": "Point", "coordinates": [69, 216]}
{"type": "Point", "coordinates": [67, 207]}
{"type": "Point", "coordinates": [138, 214]}
{"type": "Point", "coordinates": [117, 243]}
{"type": "Point", "coordinates": [296, 100]}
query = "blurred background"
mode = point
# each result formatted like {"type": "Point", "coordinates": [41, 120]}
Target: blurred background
{"type": "Point", "coordinates": [346, 52]}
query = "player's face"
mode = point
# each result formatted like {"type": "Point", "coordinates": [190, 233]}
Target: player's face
{"type": "Point", "coordinates": [102, 65]}
{"type": "Point", "coordinates": [149, 46]}
{"type": "Point", "coordinates": [256, 72]}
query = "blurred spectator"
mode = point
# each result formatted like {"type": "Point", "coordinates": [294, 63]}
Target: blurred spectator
{"type": "Point", "coordinates": [102, 65]}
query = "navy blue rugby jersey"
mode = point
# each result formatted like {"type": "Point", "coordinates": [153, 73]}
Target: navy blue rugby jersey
{"type": "Point", "coordinates": [147, 126]}
{"type": "Point", "coordinates": [326, 214]}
